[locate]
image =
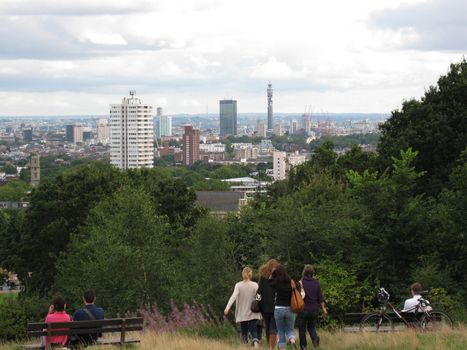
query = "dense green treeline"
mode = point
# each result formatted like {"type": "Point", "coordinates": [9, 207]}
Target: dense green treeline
{"type": "Point", "coordinates": [347, 141]}
{"type": "Point", "coordinates": [365, 220]}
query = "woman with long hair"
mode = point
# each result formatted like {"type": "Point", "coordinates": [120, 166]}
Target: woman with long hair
{"type": "Point", "coordinates": [308, 318]}
{"type": "Point", "coordinates": [267, 300]}
{"type": "Point", "coordinates": [283, 314]}
{"type": "Point", "coordinates": [243, 295]}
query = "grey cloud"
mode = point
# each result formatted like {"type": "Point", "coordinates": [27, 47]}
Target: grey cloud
{"type": "Point", "coordinates": [85, 83]}
{"type": "Point", "coordinates": [38, 38]}
{"type": "Point", "coordinates": [75, 8]}
{"type": "Point", "coordinates": [440, 24]}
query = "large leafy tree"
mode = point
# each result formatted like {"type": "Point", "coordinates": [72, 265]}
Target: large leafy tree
{"type": "Point", "coordinates": [61, 205]}
{"type": "Point", "coordinates": [209, 270]}
{"type": "Point", "coordinates": [120, 253]}
{"type": "Point", "coordinates": [57, 208]}
{"type": "Point", "coordinates": [394, 222]}
{"type": "Point", "coordinates": [448, 240]}
{"type": "Point", "coordinates": [436, 126]}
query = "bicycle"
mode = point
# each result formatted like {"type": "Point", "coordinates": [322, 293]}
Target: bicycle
{"type": "Point", "coordinates": [424, 317]}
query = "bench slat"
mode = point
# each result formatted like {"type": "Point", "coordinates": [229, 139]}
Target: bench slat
{"type": "Point", "coordinates": [80, 324]}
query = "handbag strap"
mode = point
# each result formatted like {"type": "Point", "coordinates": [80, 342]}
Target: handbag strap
{"type": "Point", "coordinates": [292, 284]}
{"type": "Point", "coordinates": [89, 313]}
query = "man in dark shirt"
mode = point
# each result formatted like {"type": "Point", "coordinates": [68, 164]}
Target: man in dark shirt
{"type": "Point", "coordinates": [88, 312]}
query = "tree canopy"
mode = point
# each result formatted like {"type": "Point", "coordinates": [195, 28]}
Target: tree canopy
{"type": "Point", "coordinates": [435, 126]}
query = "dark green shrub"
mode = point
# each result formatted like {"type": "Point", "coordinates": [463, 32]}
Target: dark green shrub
{"type": "Point", "coordinates": [16, 312]}
{"type": "Point", "coordinates": [13, 320]}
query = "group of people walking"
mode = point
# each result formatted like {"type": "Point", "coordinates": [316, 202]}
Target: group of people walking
{"type": "Point", "coordinates": [274, 290]}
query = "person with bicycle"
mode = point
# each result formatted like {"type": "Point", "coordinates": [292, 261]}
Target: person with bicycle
{"type": "Point", "coordinates": [412, 304]}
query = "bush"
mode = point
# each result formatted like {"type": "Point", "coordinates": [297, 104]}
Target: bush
{"type": "Point", "coordinates": [440, 300]}
{"type": "Point", "coordinates": [16, 312]}
{"type": "Point", "coordinates": [13, 319]}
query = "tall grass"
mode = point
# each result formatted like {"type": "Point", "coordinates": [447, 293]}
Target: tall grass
{"type": "Point", "coordinates": [442, 340]}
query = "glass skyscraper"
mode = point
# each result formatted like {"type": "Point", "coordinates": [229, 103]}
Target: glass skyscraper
{"type": "Point", "coordinates": [228, 117]}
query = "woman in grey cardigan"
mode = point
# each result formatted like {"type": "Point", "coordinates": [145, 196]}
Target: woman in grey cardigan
{"type": "Point", "coordinates": [243, 295]}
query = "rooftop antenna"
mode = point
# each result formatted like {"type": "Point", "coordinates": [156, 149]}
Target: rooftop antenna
{"type": "Point", "coordinates": [132, 93]}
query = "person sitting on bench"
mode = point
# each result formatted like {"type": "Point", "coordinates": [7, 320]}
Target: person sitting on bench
{"type": "Point", "coordinates": [57, 313]}
{"type": "Point", "coordinates": [88, 312]}
{"type": "Point", "coordinates": [412, 304]}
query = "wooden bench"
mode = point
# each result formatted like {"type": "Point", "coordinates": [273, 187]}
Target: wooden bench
{"type": "Point", "coordinates": [76, 328]}
{"type": "Point", "coordinates": [352, 320]}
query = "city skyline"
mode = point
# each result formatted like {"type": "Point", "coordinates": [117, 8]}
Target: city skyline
{"type": "Point", "coordinates": [76, 57]}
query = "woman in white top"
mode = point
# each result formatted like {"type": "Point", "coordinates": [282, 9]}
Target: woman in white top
{"type": "Point", "coordinates": [243, 295]}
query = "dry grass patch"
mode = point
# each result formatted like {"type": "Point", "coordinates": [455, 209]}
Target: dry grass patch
{"type": "Point", "coordinates": [408, 339]}
{"type": "Point", "coordinates": [441, 340]}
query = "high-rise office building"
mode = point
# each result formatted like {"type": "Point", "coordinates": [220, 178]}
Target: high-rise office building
{"type": "Point", "coordinates": [27, 135]}
{"type": "Point", "coordinates": [190, 145]}
{"type": "Point", "coordinates": [306, 125]}
{"type": "Point", "coordinates": [270, 114]}
{"type": "Point", "coordinates": [131, 134]}
{"type": "Point", "coordinates": [103, 131]}
{"type": "Point", "coordinates": [69, 133]}
{"type": "Point", "coordinates": [165, 125]}
{"type": "Point", "coordinates": [292, 127]}
{"type": "Point", "coordinates": [228, 117]}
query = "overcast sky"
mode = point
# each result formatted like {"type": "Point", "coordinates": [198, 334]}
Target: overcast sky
{"type": "Point", "coordinates": [78, 56]}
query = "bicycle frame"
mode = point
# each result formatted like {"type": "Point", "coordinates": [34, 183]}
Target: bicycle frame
{"type": "Point", "coordinates": [416, 312]}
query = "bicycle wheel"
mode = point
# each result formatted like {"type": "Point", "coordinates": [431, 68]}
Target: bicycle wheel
{"type": "Point", "coordinates": [436, 320]}
{"type": "Point", "coordinates": [376, 323]}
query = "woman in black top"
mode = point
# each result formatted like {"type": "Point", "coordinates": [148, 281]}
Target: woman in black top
{"type": "Point", "coordinates": [283, 315]}
{"type": "Point", "coordinates": [267, 301]}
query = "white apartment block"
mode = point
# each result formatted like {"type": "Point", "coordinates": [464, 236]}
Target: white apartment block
{"type": "Point", "coordinates": [283, 162]}
{"type": "Point", "coordinates": [131, 134]}
{"type": "Point", "coordinates": [279, 165]}
{"type": "Point", "coordinates": [212, 147]}
{"type": "Point", "coordinates": [238, 145]}
{"type": "Point", "coordinates": [294, 159]}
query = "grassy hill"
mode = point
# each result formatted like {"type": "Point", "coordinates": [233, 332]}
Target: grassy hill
{"type": "Point", "coordinates": [446, 339]}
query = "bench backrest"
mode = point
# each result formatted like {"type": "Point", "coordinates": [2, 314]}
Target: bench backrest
{"type": "Point", "coordinates": [109, 325]}
{"type": "Point", "coordinates": [356, 317]}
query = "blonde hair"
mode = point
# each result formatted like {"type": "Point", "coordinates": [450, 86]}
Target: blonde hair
{"type": "Point", "coordinates": [247, 273]}
{"type": "Point", "coordinates": [265, 271]}
{"type": "Point", "coordinates": [308, 271]}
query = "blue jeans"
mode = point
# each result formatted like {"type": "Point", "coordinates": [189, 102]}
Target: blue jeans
{"type": "Point", "coordinates": [307, 320]}
{"type": "Point", "coordinates": [285, 320]}
{"type": "Point", "coordinates": [249, 327]}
